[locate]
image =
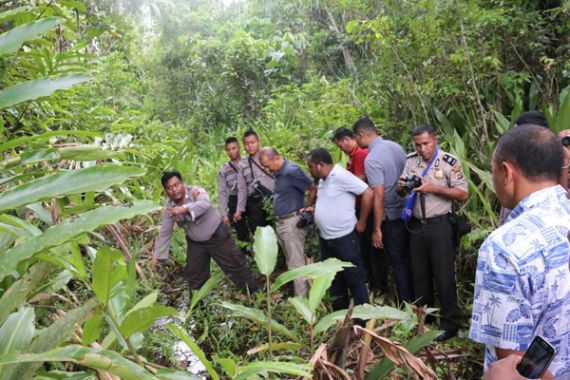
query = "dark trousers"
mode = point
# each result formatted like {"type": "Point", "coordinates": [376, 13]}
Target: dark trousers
{"type": "Point", "coordinates": [395, 239]}
{"type": "Point", "coordinates": [346, 248]}
{"type": "Point", "coordinates": [240, 226]}
{"type": "Point", "coordinates": [222, 248]}
{"type": "Point", "coordinates": [432, 257]}
{"type": "Point", "coordinates": [256, 215]}
{"type": "Point", "coordinates": [375, 260]}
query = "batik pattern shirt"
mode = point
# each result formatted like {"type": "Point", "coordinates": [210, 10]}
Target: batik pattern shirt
{"type": "Point", "coordinates": [522, 285]}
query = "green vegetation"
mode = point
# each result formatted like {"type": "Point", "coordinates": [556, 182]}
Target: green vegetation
{"type": "Point", "coordinates": [98, 97]}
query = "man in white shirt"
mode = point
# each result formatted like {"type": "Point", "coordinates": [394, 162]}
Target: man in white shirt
{"type": "Point", "coordinates": [338, 226]}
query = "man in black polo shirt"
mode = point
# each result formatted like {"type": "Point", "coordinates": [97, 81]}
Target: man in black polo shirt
{"type": "Point", "coordinates": [290, 187]}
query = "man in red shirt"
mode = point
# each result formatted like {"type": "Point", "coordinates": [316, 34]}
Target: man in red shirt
{"type": "Point", "coordinates": [375, 260]}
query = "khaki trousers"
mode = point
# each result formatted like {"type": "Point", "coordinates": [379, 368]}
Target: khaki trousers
{"type": "Point", "coordinates": [292, 240]}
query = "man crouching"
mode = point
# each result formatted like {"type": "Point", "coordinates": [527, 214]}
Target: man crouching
{"type": "Point", "coordinates": [207, 236]}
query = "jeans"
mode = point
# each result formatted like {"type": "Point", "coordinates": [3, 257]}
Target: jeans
{"type": "Point", "coordinates": [375, 260]}
{"type": "Point", "coordinates": [346, 248]}
{"type": "Point", "coordinates": [395, 239]}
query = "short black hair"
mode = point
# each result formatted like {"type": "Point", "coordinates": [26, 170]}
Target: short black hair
{"type": "Point", "coordinates": [533, 149]}
{"type": "Point", "coordinates": [341, 133]}
{"type": "Point", "coordinates": [230, 140]}
{"type": "Point", "coordinates": [423, 128]}
{"type": "Point", "coordinates": [364, 124]}
{"type": "Point", "coordinates": [250, 132]}
{"type": "Point", "coordinates": [167, 175]}
{"type": "Point", "coordinates": [320, 156]}
{"type": "Point", "coordinates": [532, 117]}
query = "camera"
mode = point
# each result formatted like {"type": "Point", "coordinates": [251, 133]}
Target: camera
{"type": "Point", "coordinates": [260, 190]}
{"type": "Point", "coordinates": [306, 220]}
{"type": "Point", "coordinates": [410, 183]}
{"type": "Point", "coordinates": [566, 140]}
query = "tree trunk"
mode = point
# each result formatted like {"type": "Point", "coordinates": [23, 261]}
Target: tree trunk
{"type": "Point", "coordinates": [348, 61]}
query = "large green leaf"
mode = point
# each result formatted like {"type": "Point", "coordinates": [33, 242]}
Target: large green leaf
{"type": "Point", "coordinates": [11, 13]}
{"type": "Point", "coordinates": [56, 334]}
{"type": "Point", "coordinates": [141, 319]}
{"type": "Point", "coordinates": [96, 178]}
{"type": "Point", "coordinates": [65, 231]}
{"type": "Point", "coordinates": [361, 312]}
{"type": "Point", "coordinates": [249, 371]}
{"type": "Point", "coordinates": [183, 335]}
{"type": "Point", "coordinates": [23, 289]}
{"type": "Point", "coordinates": [319, 288]}
{"type": "Point", "coordinates": [38, 88]}
{"type": "Point", "coordinates": [28, 139]}
{"type": "Point", "coordinates": [228, 364]}
{"type": "Point", "coordinates": [107, 361]}
{"type": "Point", "coordinates": [259, 317]}
{"type": "Point", "coordinates": [382, 369]}
{"type": "Point", "coordinates": [563, 118]}
{"type": "Point", "coordinates": [368, 311]}
{"type": "Point", "coordinates": [331, 265]}
{"type": "Point", "coordinates": [206, 289]}
{"type": "Point", "coordinates": [12, 40]}
{"type": "Point", "coordinates": [170, 374]}
{"type": "Point", "coordinates": [302, 306]}
{"type": "Point", "coordinates": [18, 227]}
{"type": "Point", "coordinates": [41, 213]}
{"type": "Point", "coordinates": [13, 228]}
{"type": "Point", "coordinates": [265, 248]}
{"type": "Point", "coordinates": [75, 153]}
{"type": "Point", "coordinates": [109, 268]}
{"type": "Point", "coordinates": [15, 336]}
{"type": "Point", "coordinates": [147, 301]}
{"type": "Point", "coordinates": [92, 329]}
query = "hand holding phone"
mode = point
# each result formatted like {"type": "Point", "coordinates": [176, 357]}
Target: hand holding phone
{"type": "Point", "coordinates": [536, 359]}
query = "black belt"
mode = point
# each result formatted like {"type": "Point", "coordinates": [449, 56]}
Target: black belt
{"type": "Point", "coordinates": [287, 216]}
{"type": "Point", "coordinates": [435, 219]}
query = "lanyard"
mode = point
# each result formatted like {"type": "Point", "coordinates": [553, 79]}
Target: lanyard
{"type": "Point", "coordinates": [432, 160]}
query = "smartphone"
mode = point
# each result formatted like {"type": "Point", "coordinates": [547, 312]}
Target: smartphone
{"type": "Point", "coordinates": [536, 359]}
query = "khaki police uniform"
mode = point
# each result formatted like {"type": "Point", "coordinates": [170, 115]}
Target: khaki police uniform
{"type": "Point", "coordinates": [432, 248]}
{"type": "Point", "coordinates": [207, 237]}
{"type": "Point", "coordinates": [228, 196]}
{"type": "Point", "coordinates": [250, 200]}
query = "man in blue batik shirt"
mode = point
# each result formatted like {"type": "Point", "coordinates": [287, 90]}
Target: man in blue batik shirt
{"type": "Point", "coordinates": [522, 285]}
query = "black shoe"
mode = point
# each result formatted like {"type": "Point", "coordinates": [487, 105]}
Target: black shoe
{"type": "Point", "coordinates": [445, 335]}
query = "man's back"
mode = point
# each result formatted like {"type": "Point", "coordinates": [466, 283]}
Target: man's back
{"type": "Point", "coordinates": [384, 164]}
{"type": "Point", "coordinates": [522, 287]}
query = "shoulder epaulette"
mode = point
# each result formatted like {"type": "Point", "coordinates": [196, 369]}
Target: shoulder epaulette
{"type": "Point", "coordinates": [449, 159]}
{"type": "Point", "coordinates": [413, 154]}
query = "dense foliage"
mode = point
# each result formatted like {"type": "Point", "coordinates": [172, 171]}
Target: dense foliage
{"type": "Point", "coordinates": [97, 97]}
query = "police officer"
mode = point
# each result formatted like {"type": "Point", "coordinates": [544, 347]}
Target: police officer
{"type": "Point", "coordinates": [207, 236]}
{"type": "Point", "coordinates": [254, 185]}
{"type": "Point", "coordinates": [227, 189]}
{"type": "Point", "coordinates": [431, 234]}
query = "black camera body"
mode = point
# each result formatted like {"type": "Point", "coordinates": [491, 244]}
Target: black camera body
{"type": "Point", "coordinates": [306, 220]}
{"type": "Point", "coordinates": [260, 190]}
{"type": "Point", "coordinates": [410, 183]}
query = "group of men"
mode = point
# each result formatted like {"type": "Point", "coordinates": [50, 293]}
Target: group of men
{"type": "Point", "coordinates": [357, 211]}
{"type": "Point", "coordinates": [389, 207]}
